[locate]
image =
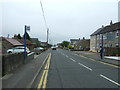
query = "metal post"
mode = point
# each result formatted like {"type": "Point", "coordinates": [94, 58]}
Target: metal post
{"type": "Point", "coordinates": [47, 36]}
{"type": "Point", "coordinates": [102, 46]}
{"type": "Point", "coordinates": [25, 43]}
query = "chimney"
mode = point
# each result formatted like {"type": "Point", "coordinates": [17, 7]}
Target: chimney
{"type": "Point", "coordinates": [102, 26]}
{"type": "Point", "coordinates": [111, 22]}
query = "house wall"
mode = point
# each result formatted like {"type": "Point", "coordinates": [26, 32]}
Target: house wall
{"type": "Point", "coordinates": [93, 43]}
{"type": "Point", "coordinates": [5, 45]}
{"type": "Point", "coordinates": [83, 44]}
{"type": "Point", "coordinates": [110, 39]}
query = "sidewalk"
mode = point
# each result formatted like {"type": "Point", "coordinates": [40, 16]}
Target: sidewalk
{"type": "Point", "coordinates": [96, 56]}
{"type": "Point", "coordinates": [23, 76]}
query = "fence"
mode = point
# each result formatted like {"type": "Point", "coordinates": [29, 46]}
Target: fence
{"type": "Point", "coordinates": [110, 51]}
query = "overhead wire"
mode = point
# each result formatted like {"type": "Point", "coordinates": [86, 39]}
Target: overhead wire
{"type": "Point", "coordinates": [44, 19]}
{"type": "Point", "coordinates": [43, 14]}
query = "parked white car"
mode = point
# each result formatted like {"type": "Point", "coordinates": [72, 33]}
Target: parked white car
{"type": "Point", "coordinates": [18, 50]}
{"type": "Point", "coordinates": [39, 49]}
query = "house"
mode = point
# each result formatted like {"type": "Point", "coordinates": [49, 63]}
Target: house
{"type": "Point", "coordinates": [8, 43]}
{"type": "Point", "coordinates": [84, 44]}
{"type": "Point", "coordinates": [109, 34]}
{"type": "Point", "coordinates": [29, 44]}
{"type": "Point", "coordinates": [36, 42]}
{"type": "Point", "coordinates": [80, 44]}
{"type": "Point", "coordinates": [74, 43]}
{"type": "Point", "coordinates": [0, 45]}
{"type": "Point", "coordinates": [44, 44]}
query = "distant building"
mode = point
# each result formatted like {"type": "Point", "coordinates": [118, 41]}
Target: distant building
{"type": "Point", "coordinates": [36, 42]}
{"type": "Point", "coordinates": [111, 37]}
{"type": "Point", "coordinates": [80, 44]}
{"type": "Point", "coordinates": [44, 44]}
{"type": "Point", "coordinates": [74, 42]}
{"type": "Point", "coordinates": [8, 43]}
{"type": "Point", "coordinates": [84, 44]}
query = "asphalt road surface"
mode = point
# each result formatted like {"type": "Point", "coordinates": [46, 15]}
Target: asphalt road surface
{"type": "Point", "coordinates": [67, 70]}
{"type": "Point", "coordinates": [63, 69]}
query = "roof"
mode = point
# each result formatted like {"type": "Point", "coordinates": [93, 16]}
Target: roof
{"type": "Point", "coordinates": [74, 39]}
{"type": "Point", "coordinates": [12, 41]}
{"type": "Point", "coordinates": [96, 32]}
{"type": "Point", "coordinates": [22, 41]}
{"type": "Point", "coordinates": [109, 28]}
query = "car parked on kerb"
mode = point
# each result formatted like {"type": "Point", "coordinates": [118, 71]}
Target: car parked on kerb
{"type": "Point", "coordinates": [18, 49]}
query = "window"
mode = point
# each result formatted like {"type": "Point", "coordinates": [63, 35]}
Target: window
{"type": "Point", "coordinates": [117, 34]}
{"type": "Point", "coordinates": [105, 36]}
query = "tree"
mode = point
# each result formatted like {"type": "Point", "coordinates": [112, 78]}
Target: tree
{"type": "Point", "coordinates": [65, 44]}
{"type": "Point", "coordinates": [19, 36]}
{"type": "Point", "coordinates": [70, 46]}
{"type": "Point", "coordinates": [27, 36]}
{"type": "Point", "coordinates": [15, 36]}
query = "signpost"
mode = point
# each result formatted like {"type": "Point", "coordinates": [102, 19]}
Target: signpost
{"type": "Point", "coordinates": [27, 28]}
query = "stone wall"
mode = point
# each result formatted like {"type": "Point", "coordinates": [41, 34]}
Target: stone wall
{"type": "Point", "coordinates": [12, 61]}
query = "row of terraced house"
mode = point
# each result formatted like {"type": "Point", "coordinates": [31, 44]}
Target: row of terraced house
{"type": "Point", "coordinates": [110, 35]}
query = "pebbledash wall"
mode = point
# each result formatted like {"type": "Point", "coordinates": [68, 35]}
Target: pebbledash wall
{"type": "Point", "coordinates": [12, 61]}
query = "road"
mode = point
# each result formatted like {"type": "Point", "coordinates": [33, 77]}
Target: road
{"type": "Point", "coordinates": [63, 69]}
{"type": "Point", "coordinates": [67, 70]}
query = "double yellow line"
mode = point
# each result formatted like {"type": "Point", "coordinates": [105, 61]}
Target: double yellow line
{"type": "Point", "coordinates": [43, 80]}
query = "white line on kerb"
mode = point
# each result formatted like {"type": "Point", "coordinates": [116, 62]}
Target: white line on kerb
{"type": "Point", "coordinates": [109, 79]}
{"type": "Point", "coordinates": [85, 67]}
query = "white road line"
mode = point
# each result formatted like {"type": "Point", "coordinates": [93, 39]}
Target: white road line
{"type": "Point", "coordinates": [72, 60]}
{"type": "Point", "coordinates": [109, 79]}
{"type": "Point", "coordinates": [66, 56]}
{"type": "Point", "coordinates": [85, 67]}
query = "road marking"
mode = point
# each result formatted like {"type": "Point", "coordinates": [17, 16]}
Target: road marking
{"type": "Point", "coordinates": [29, 86]}
{"type": "Point", "coordinates": [72, 60]}
{"type": "Point", "coordinates": [43, 80]}
{"type": "Point", "coordinates": [99, 61]}
{"type": "Point", "coordinates": [66, 56]}
{"type": "Point", "coordinates": [85, 66]}
{"type": "Point", "coordinates": [109, 79]}
{"type": "Point", "coordinates": [7, 76]}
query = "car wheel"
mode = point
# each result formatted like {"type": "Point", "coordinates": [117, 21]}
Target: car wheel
{"type": "Point", "coordinates": [9, 52]}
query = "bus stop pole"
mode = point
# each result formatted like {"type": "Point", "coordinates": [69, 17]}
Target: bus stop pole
{"type": "Point", "coordinates": [25, 44]}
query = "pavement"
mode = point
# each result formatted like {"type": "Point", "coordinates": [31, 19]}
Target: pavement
{"type": "Point", "coordinates": [96, 56]}
{"type": "Point", "coordinates": [23, 76]}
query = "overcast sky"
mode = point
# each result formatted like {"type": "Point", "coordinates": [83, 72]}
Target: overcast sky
{"type": "Point", "coordinates": [66, 19]}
